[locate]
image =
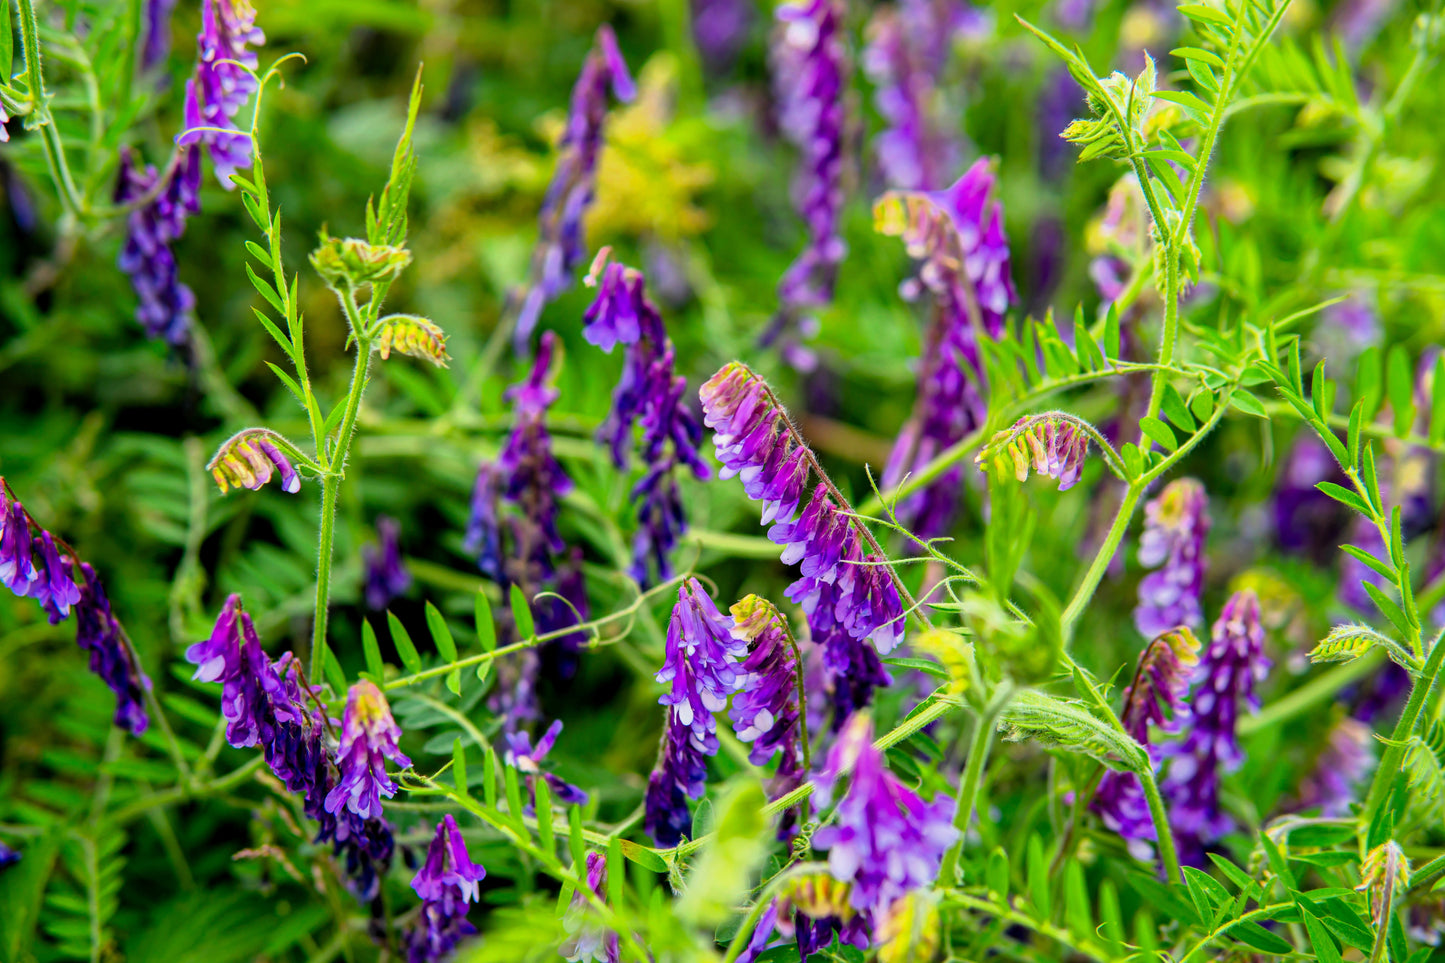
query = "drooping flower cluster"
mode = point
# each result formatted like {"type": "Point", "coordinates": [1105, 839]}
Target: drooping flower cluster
{"type": "Point", "coordinates": [810, 76]}
{"type": "Point", "coordinates": [907, 51]}
{"type": "Point", "coordinates": [765, 710]}
{"type": "Point", "coordinates": [1175, 525]}
{"type": "Point", "coordinates": [166, 305]}
{"type": "Point", "coordinates": [701, 671]}
{"type": "Point", "coordinates": [447, 884]}
{"type": "Point", "coordinates": [533, 556]}
{"type": "Point", "coordinates": [386, 577]}
{"type": "Point", "coordinates": [561, 247]}
{"type": "Point", "coordinates": [368, 740]}
{"type": "Point", "coordinates": [1228, 669]}
{"type": "Point", "coordinates": [651, 393]}
{"type": "Point", "coordinates": [265, 704]}
{"type": "Point", "coordinates": [220, 88]}
{"type": "Point", "coordinates": [249, 458]}
{"type": "Point", "coordinates": [1155, 698]}
{"type": "Point", "coordinates": [33, 565]}
{"type": "Point", "coordinates": [848, 594]}
{"type": "Point", "coordinates": [527, 759]}
{"type": "Point", "coordinates": [884, 839]}
{"type": "Point", "coordinates": [957, 235]}
{"type": "Point", "coordinates": [589, 944]}
{"type": "Point", "coordinates": [1051, 444]}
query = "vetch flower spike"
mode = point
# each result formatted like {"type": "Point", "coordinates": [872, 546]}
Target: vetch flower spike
{"type": "Point", "coordinates": [224, 80]}
{"type": "Point", "coordinates": [765, 711]}
{"type": "Point", "coordinates": [412, 335]}
{"type": "Point", "coordinates": [1175, 526]}
{"type": "Point", "coordinates": [249, 458]}
{"type": "Point", "coordinates": [385, 575]}
{"type": "Point", "coordinates": [368, 739]}
{"type": "Point", "coordinates": [166, 306]}
{"type": "Point", "coordinates": [447, 884]}
{"type": "Point", "coordinates": [527, 759]}
{"type": "Point", "coordinates": [1054, 444]}
{"type": "Point", "coordinates": [589, 943]}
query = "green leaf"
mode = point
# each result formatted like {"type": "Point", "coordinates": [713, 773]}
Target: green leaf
{"type": "Point", "coordinates": [922, 665]}
{"type": "Point", "coordinates": [372, 652]}
{"type": "Point", "coordinates": [522, 614]}
{"type": "Point", "coordinates": [1437, 402]}
{"type": "Point", "coordinates": [285, 344]}
{"type": "Point", "coordinates": [512, 787]}
{"type": "Point", "coordinates": [403, 643]}
{"type": "Point", "coordinates": [1369, 381]}
{"type": "Point", "coordinates": [1204, 14]}
{"type": "Point", "coordinates": [1236, 875]}
{"type": "Point", "coordinates": [1247, 403]}
{"type": "Point", "coordinates": [543, 808]}
{"type": "Point", "coordinates": [1111, 331]}
{"type": "Point", "coordinates": [486, 628]}
{"type": "Point", "coordinates": [1388, 608]}
{"type": "Point", "coordinates": [1352, 435]}
{"type": "Point", "coordinates": [1038, 878]}
{"type": "Point", "coordinates": [643, 856]}
{"type": "Point", "coordinates": [441, 634]}
{"type": "Point", "coordinates": [616, 879]}
{"type": "Point", "coordinates": [489, 778]}
{"type": "Point", "coordinates": [261, 254]}
{"type": "Point", "coordinates": [1202, 405]}
{"type": "Point", "coordinates": [1260, 938]}
{"type": "Point", "coordinates": [996, 873]}
{"type": "Point", "coordinates": [1077, 912]}
{"type": "Point", "coordinates": [291, 385]}
{"type": "Point", "coordinates": [1184, 99]}
{"type": "Point", "coordinates": [1111, 920]}
{"type": "Point", "coordinates": [1176, 411]}
{"type": "Point", "coordinates": [1159, 432]}
{"type": "Point", "coordinates": [267, 291]}
{"type": "Point", "coordinates": [332, 669]}
{"type": "Point", "coordinates": [576, 842]}
{"type": "Point", "coordinates": [1400, 388]}
{"type": "Point", "coordinates": [459, 767]}
{"type": "Point", "coordinates": [1345, 497]}
{"type": "Point", "coordinates": [1195, 53]}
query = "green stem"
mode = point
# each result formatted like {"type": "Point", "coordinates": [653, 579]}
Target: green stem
{"type": "Point", "coordinates": [972, 778]}
{"type": "Point", "coordinates": [1404, 729]}
{"type": "Point", "coordinates": [1426, 875]}
{"type": "Point", "coordinates": [1168, 855]}
{"type": "Point", "coordinates": [49, 136]}
{"type": "Point", "coordinates": [1095, 573]}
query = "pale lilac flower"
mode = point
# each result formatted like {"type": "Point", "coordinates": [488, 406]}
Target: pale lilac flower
{"type": "Point", "coordinates": [447, 884]}
{"type": "Point", "coordinates": [1175, 525]}
{"type": "Point", "coordinates": [1340, 768]}
{"type": "Point", "coordinates": [368, 739]}
{"type": "Point", "coordinates": [1228, 669]}
{"type": "Point", "coordinates": [220, 88]}
{"type": "Point", "coordinates": [884, 839]}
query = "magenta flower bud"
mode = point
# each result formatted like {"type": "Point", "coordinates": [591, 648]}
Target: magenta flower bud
{"type": "Point", "coordinates": [368, 739]}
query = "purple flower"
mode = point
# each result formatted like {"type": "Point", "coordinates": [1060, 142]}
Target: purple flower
{"type": "Point", "coordinates": [54, 585]}
{"type": "Point", "coordinates": [907, 50]}
{"type": "Point", "coordinates": [680, 774]}
{"type": "Point", "coordinates": [220, 89]}
{"type": "Point", "coordinates": [1346, 328]}
{"type": "Point", "coordinates": [111, 656]}
{"type": "Point", "coordinates": [368, 740]}
{"type": "Point", "coordinates": [1060, 101]}
{"type": "Point", "coordinates": [17, 565]}
{"type": "Point", "coordinates": [527, 758]}
{"type": "Point", "coordinates": [1175, 525]}
{"type": "Point", "coordinates": [589, 944]}
{"type": "Point", "coordinates": [249, 459]}
{"type": "Point", "coordinates": [848, 595]}
{"type": "Point", "coordinates": [765, 709]}
{"type": "Point", "coordinates": [8, 856]}
{"type": "Point", "coordinates": [166, 305]}
{"type": "Point", "coordinates": [484, 531]}
{"type": "Point", "coordinates": [446, 883]}
{"type": "Point", "coordinates": [884, 839]}
{"type": "Point", "coordinates": [1228, 669]}
{"type": "Point", "coordinates": [531, 477]}
{"type": "Point", "coordinates": [958, 236]}
{"type": "Point", "coordinates": [810, 72]}
{"type": "Point", "coordinates": [1305, 518]}
{"type": "Point", "coordinates": [561, 247]}
{"type": "Point", "coordinates": [157, 44]}
{"type": "Point", "coordinates": [1342, 765]}
{"type": "Point", "coordinates": [649, 393]}
{"type": "Point", "coordinates": [720, 28]}
{"type": "Point", "coordinates": [1155, 698]}
{"type": "Point", "coordinates": [386, 577]}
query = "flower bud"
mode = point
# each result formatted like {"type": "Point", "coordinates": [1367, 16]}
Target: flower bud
{"type": "Point", "coordinates": [350, 262]}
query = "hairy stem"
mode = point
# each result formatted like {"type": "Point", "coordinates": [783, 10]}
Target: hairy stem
{"type": "Point", "coordinates": [1404, 729]}
{"type": "Point", "coordinates": [972, 779]}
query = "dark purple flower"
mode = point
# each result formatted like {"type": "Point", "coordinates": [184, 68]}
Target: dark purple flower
{"type": "Point", "coordinates": [111, 656]}
{"type": "Point", "coordinates": [446, 883]}
{"type": "Point", "coordinates": [561, 246]}
{"type": "Point", "coordinates": [1155, 698]}
{"type": "Point", "coordinates": [54, 585]}
{"type": "Point", "coordinates": [484, 531]}
{"type": "Point", "coordinates": [884, 839]}
{"type": "Point", "coordinates": [1305, 518]}
{"type": "Point", "coordinates": [810, 74]}
{"type": "Point", "coordinates": [1341, 766]}
{"type": "Point", "coordinates": [218, 91]}
{"type": "Point", "coordinates": [848, 595]}
{"type": "Point", "coordinates": [700, 663]}
{"type": "Point", "coordinates": [1060, 101]}
{"type": "Point", "coordinates": [17, 565]}
{"type": "Point", "coordinates": [1228, 669]}
{"type": "Point", "coordinates": [8, 856]}
{"type": "Point", "coordinates": [530, 475]}
{"type": "Point", "coordinates": [157, 44]}
{"type": "Point", "coordinates": [166, 305]}
{"type": "Point", "coordinates": [1175, 525]}
{"type": "Point", "coordinates": [527, 759]}
{"type": "Point", "coordinates": [368, 740]}
{"type": "Point", "coordinates": [589, 944]}
{"type": "Point", "coordinates": [680, 774]}
{"type": "Point", "coordinates": [907, 50]}
{"type": "Point", "coordinates": [555, 614]}
{"type": "Point", "coordinates": [765, 709]}
{"type": "Point", "coordinates": [652, 394]}
{"type": "Point", "coordinates": [720, 28]}
{"type": "Point", "coordinates": [386, 576]}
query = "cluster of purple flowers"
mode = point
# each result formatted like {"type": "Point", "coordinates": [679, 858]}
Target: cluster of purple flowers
{"type": "Point", "coordinates": [447, 884]}
{"type": "Point", "coordinates": [266, 704]}
{"type": "Point", "coordinates": [1228, 669]}
{"type": "Point", "coordinates": [249, 459]}
{"type": "Point", "coordinates": [223, 82]}
{"type": "Point", "coordinates": [562, 247]}
{"type": "Point", "coordinates": [957, 235]}
{"type": "Point", "coordinates": [167, 306]}
{"type": "Point", "coordinates": [385, 575]}
{"type": "Point", "coordinates": [527, 758]}
{"type": "Point", "coordinates": [849, 595]}
{"type": "Point", "coordinates": [1155, 698]}
{"type": "Point", "coordinates": [33, 565]}
{"type": "Point", "coordinates": [1053, 445]}
{"type": "Point", "coordinates": [1341, 766]}
{"type": "Point", "coordinates": [810, 72]}
{"type": "Point", "coordinates": [1175, 525]}
{"type": "Point", "coordinates": [765, 710]}
{"type": "Point", "coordinates": [720, 28]}
{"type": "Point", "coordinates": [590, 944]}
{"type": "Point", "coordinates": [649, 392]}
{"type": "Point", "coordinates": [528, 477]}
{"type": "Point", "coordinates": [907, 51]}
{"type": "Point", "coordinates": [701, 671]}
{"type": "Point", "coordinates": [157, 45]}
